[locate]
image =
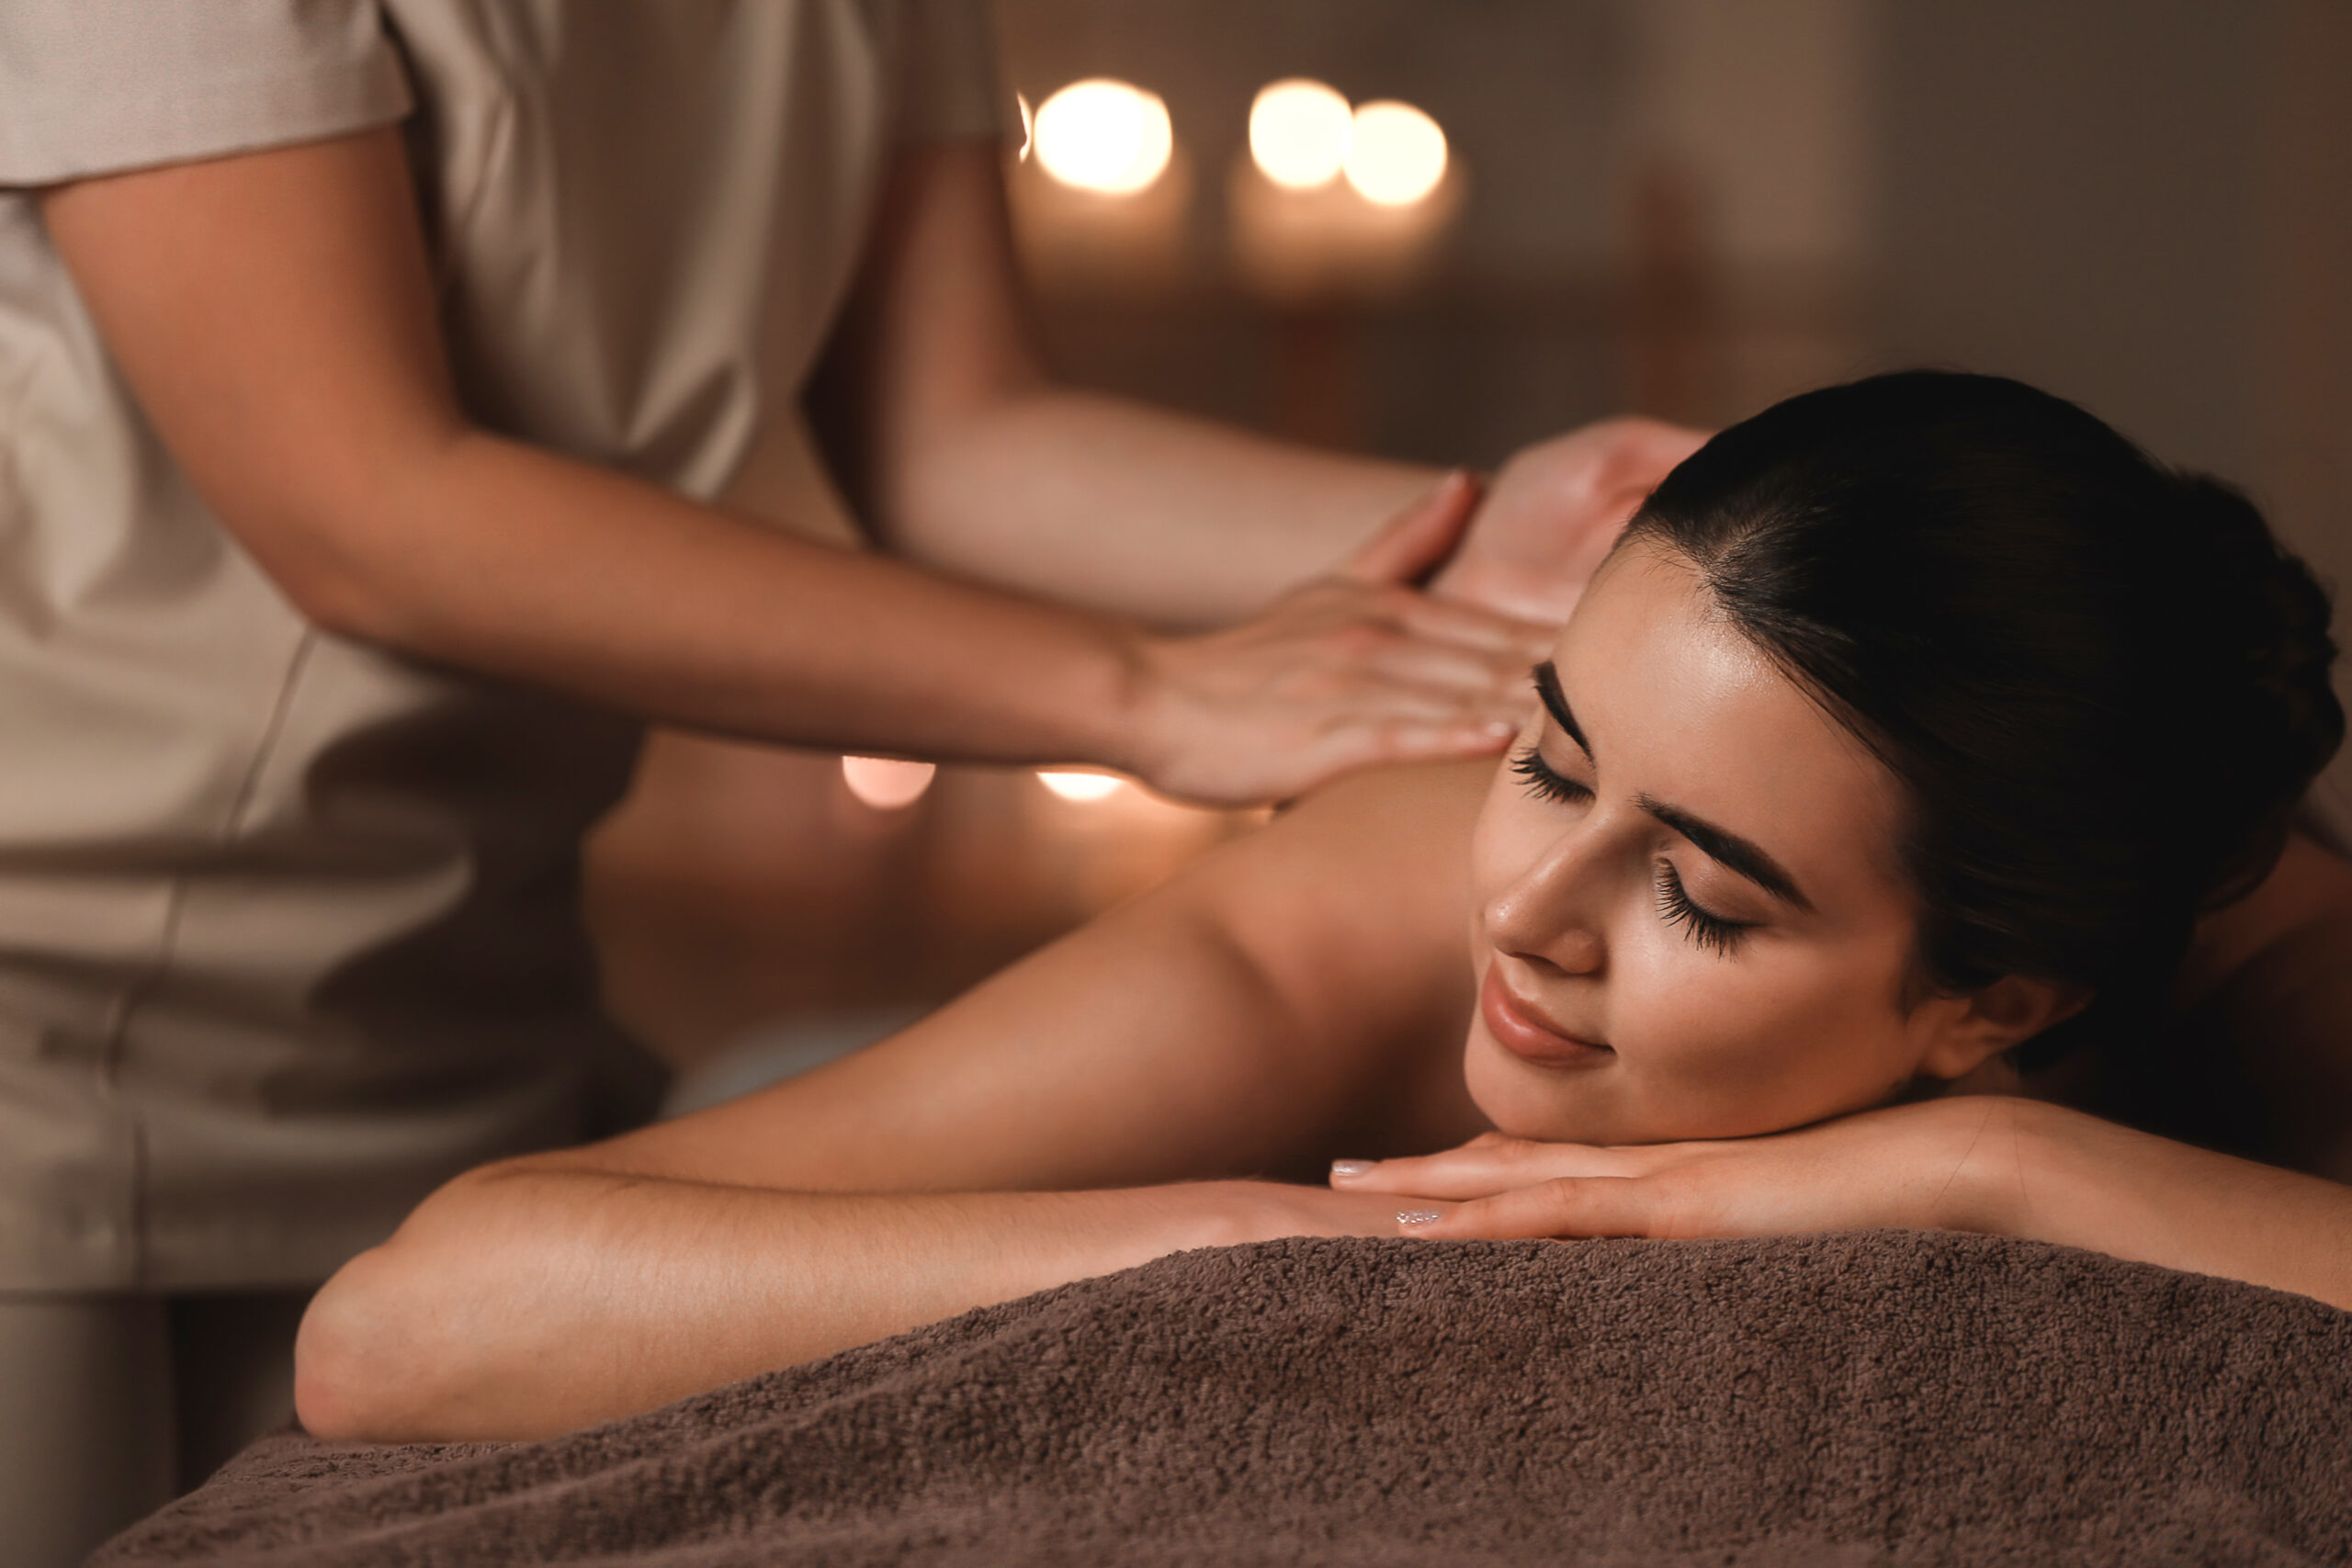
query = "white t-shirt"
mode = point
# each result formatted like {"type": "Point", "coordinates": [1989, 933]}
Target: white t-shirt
{"type": "Point", "coordinates": [288, 929]}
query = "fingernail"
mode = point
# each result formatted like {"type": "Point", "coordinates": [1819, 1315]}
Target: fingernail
{"type": "Point", "coordinates": [1352, 1166]}
{"type": "Point", "coordinates": [1418, 1216]}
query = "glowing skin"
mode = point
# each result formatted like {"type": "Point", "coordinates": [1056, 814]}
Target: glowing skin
{"type": "Point", "coordinates": [1602, 1018]}
{"type": "Point", "coordinates": [1112, 1098]}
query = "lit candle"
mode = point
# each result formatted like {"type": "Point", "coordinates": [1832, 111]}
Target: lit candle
{"type": "Point", "coordinates": [1104, 136]}
{"type": "Point", "coordinates": [1302, 236]}
{"type": "Point", "coordinates": [1299, 131]}
{"type": "Point", "coordinates": [887, 784]}
{"type": "Point", "coordinates": [1101, 197]}
{"type": "Point", "coordinates": [1081, 786]}
{"type": "Point", "coordinates": [1396, 154]}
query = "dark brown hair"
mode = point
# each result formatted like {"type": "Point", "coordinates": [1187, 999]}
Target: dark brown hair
{"type": "Point", "coordinates": [2102, 684]}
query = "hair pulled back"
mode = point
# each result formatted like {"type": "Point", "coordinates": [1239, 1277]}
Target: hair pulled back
{"type": "Point", "coordinates": [2101, 682]}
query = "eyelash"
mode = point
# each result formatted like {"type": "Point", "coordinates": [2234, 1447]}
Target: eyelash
{"type": "Point", "coordinates": [1543, 783]}
{"type": "Point", "coordinates": [1711, 933]}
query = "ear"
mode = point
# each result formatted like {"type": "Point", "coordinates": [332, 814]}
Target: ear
{"type": "Point", "coordinates": [1958, 1034]}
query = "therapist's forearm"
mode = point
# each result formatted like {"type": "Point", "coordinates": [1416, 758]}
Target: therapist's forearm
{"type": "Point", "coordinates": [958, 447]}
{"type": "Point", "coordinates": [1099, 500]}
{"type": "Point", "coordinates": [495, 556]}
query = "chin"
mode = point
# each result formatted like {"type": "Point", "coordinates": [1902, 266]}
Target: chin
{"type": "Point", "coordinates": [1522, 1102]}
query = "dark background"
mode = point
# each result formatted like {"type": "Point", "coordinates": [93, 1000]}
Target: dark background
{"type": "Point", "coordinates": [2145, 205]}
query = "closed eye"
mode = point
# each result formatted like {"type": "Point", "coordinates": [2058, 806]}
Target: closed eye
{"type": "Point", "coordinates": [1709, 932]}
{"type": "Point", "coordinates": [1712, 932]}
{"type": "Point", "coordinates": [1545, 783]}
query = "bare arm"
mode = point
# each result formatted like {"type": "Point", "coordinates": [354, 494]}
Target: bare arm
{"type": "Point", "coordinates": [961, 452]}
{"type": "Point", "coordinates": [964, 453]}
{"type": "Point", "coordinates": [274, 313]}
{"type": "Point", "coordinates": [2281, 961]}
{"type": "Point", "coordinates": [1300, 992]}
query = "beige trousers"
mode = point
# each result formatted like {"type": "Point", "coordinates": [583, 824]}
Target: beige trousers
{"type": "Point", "coordinates": [112, 1405]}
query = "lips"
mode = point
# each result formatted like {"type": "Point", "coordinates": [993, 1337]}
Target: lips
{"type": "Point", "coordinates": [1527, 1034]}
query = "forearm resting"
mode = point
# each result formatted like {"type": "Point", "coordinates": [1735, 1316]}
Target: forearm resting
{"type": "Point", "coordinates": [528, 1298]}
{"type": "Point", "coordinates": [2080, 1182]}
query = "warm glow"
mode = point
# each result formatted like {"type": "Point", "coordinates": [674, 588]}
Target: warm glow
{"type": "Point", "coordinates": [1397, 155]}
{"type": "Point", "coordinates": [1105, 136]}
{"type": "Point", "coordinates": [1028, 124]}
{"type": "Point", "coordinates": [1299, 132]}
{"type": "Point", "coordinates": [1081, 786]}
{"type": "Point", "coordinates": [887, 784]}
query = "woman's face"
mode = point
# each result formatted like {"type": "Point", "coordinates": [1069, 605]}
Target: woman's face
{"type": "Point", "coordinates": [1690, 920]}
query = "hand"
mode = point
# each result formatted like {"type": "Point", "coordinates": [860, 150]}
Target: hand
{"type": "Point", "coordinates": [1338, 674]}
{"type": "Point", "coordinates": [1267, 1210]}
{"type": "Point", "coordinates": [1553, 512]}
{"type": "Point", "coordinates": [1939, 1165]}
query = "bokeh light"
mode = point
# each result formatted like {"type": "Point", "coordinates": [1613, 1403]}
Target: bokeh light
{"type": "Point", "coordinates": [1028, 124]}
{"type": "Point", "coordinates": [1396, 156]}
{"type": "Point", "coordinates": [1081, 787]}
{"type": "Point", "coordinates": [1299, 131]}
{"type": "Point", "coordinates": [887, 784]}
{"type": "Point", "coordinates": [1103, 135]}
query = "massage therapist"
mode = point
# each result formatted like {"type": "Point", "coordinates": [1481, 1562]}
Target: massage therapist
{"type": "Point", "coordinates": [367, 373]}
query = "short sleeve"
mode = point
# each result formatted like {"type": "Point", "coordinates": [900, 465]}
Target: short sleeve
{"type": "Point", "coordinates": [92, 86]}
{"type": "Point", "coordinates": [947, 86]}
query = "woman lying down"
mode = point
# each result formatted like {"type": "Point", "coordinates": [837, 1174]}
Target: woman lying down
{"type": "Point", "coordinates": [1919, 766]}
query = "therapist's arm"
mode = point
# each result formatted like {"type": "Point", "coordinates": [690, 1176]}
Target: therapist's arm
{"type": "Point", "coordinates": [274, 316]}
{"type": "Point", "coordinates": [962, 451]}
{"type": "Point", "coordinates": [959, 449]}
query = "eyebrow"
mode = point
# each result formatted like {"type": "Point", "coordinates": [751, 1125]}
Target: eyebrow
{"type": "Point", "coordinates": [1742, 855]}
{"type": "Point", "coordinates": [1556, 703]}
{"type": "Point", "coordinates": [1745, 856]}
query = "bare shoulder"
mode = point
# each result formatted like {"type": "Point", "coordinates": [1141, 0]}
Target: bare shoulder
{"type": "Point", "coordinates": [1227, 1024]}
{"type": "Point", "coordinates": [1380, 823]}
{"type": "Point", "coordinates": [1382, 855]}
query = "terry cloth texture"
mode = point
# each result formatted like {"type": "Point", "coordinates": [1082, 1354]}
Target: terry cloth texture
{"type": "Point", "coordinates": [1867, 1398]}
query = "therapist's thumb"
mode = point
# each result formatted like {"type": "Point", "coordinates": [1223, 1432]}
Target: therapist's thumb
{"type": "Point", "coordinates": [1418, 538]}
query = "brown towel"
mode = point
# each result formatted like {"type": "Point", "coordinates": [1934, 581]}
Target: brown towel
{"type": "Point", "coordinates": [1879, 1397]}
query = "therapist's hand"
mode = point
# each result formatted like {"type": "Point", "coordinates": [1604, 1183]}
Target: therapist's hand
{"type": "Point", "coordinates": [1343, 672]}
{"type": "Point", "coordinates": [1554, 511]}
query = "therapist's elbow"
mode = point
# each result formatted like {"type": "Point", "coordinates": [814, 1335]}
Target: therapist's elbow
{"type": "Point", "coordinates": [350, 550]}
{"type": "Point", "coordinates": [354, 611]}
{"type": "Point", "coordinates": [336, 586]}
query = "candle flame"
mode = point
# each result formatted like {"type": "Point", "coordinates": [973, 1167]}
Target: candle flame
{"type": "Point", "coordinates": [1103, 135]}
{"type": "Point", "coordinates": [1081, 786]}
{"type": "Point", "coordinates": [887, 784]}
{"type": "Point", "coordinates": [1396, 156]}
{"type": "Point", "coordinates": [1299, 131]}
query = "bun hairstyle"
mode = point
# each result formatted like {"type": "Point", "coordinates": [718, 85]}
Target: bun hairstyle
{"type": "Point", "coordinates": [2102, 684]}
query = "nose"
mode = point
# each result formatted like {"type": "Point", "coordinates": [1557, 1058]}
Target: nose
{"type": "Point", "coordinates": [1550, 914]}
